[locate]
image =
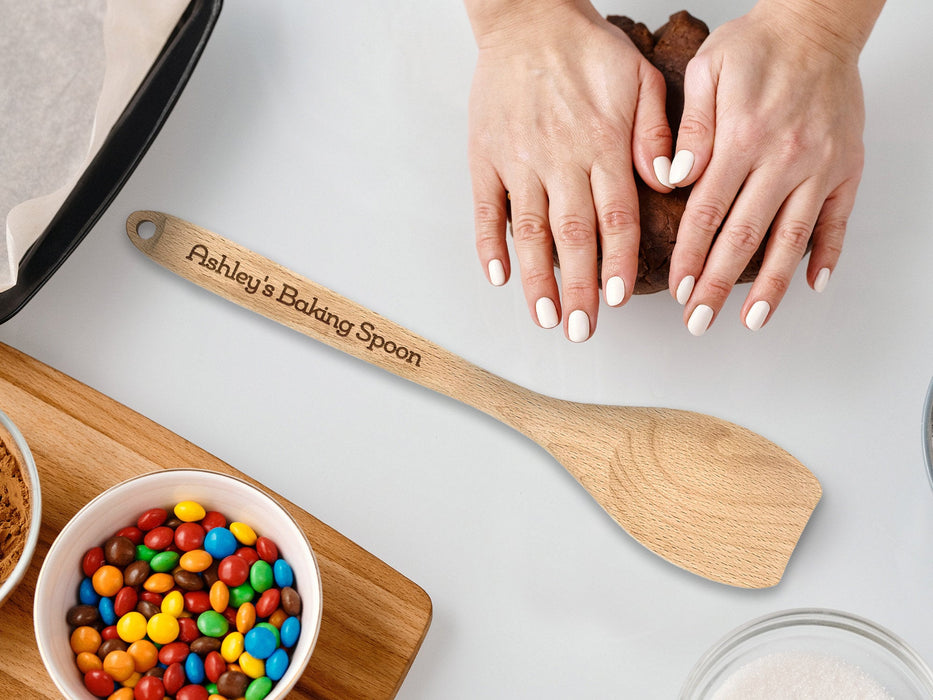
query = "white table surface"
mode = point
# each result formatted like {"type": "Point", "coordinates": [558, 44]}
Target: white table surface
{"type": "Point", "coordinates": [331, 138]}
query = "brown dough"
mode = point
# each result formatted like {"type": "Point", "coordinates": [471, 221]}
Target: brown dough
{"type": "Point", "coordinates": [669, 49]}
{"type": "Point", "coordinates": [14, 512]}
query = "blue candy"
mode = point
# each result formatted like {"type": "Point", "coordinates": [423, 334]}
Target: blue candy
{"type": "Point", "coordinates": [260, 642]}
{"type": "Point", "coordinates": [282, 572]}
{"type": "Point", "coordinates": [105, 608]}
{"type": "Point", "coordinates": [219, 542]}
{"type": "Point", "coordinates": [194, 669]}
{"type": "Point", "coordinates": [289, 632]}
{"type": "Point", "coordinates": [86, 593]}
{"type": "Point", "coordinates": [277, 664]}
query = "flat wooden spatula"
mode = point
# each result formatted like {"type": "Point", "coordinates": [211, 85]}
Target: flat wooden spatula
{"type": "Point", "coordinates": [703, 493]}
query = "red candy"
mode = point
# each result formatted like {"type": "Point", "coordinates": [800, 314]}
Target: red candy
{"type": "Point", "coordinates": [267, 550]}
{"type": "Point", "coordinates": [159, 538]}
{"type": "Point", "coordinates": [230, 615]}
{"type": "Point", "coordinates": [173, 678]}
{"type": "Point", "coordinates": [99, 683]}
{"type": "Point", "coordinates": [132, 533]}
{"type": "Point", "coordinates": [193, 692]}
{"type": "Point", "coordinates": [233, 570]}
{"type": "Point", "coordinates": [125, 601]}
{"type": "Point", "coordinates": [214, 666]}
{"type": "Point", "coordinates": [93, 560]}
{"type": "Point", "coordinates": [188, 629]}
{"type": "Point", "coordinates": [150, 597]}
{"type": "Point", "coordinates": [268, 602]}
{"type": "Point", "coordinates": [176, 652]}
{"type": "Point", "coordinates": [248, 554]}
{"type": "Point", "coordinates": [197, 601]}
{"type": "Point", "coordinates": [152, 518]}
{"type": "Point", "coordinates": [149, 688]}
{"type": "Point", "coordinates": [189, 536]}
{"type": "Point", "coordinates": [213, 519]}
{"type": "Point", "coordinates": [109, 633]}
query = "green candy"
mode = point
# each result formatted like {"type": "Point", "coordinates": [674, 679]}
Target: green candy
{"type": "Point", "coordinates": [211, 688]}
{"type": "Point", "coordinates": [260, 576]}
{"type": "Point", "coordinates": [164, 561]}
{"type": "Point", "coordinates": [144, 553]}
{"type": "Point", "coordinates": [259, 688]}
{"type": "Point", "coordinates": [212, 624]}
{"type": "Point", "coordinates": [244, 593]}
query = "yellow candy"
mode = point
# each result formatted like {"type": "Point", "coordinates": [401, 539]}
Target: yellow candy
{"type": "Point", "coordinates": [119, 665]}
{"type": "Point", "coordinates": [159, 583]}
{"type": "Point", "coordinates": [189, 511]}
{"type": "Point", "coordinates": [125, 693]}
{"type": "Point", "coordinates": [132, 680]}
{"type": "Point", "coordinates": [88, 661]}
{"type": "Point", "coordinates": [196, 561]}
{"type": "Point", "coordinates": [145, 654]}
{"type": "Point", "coordinates": [173, 604]}
{"type": "Point", "coordinates": [251, 666]}
{"type": "Point", "coordinates": [243, 533]}
{"type": "Point", "coordinates": [162, 628]}
{"type": "Point", "coordinates": [245, 617]}
{"type": "Point", "coordinates": [131, 627]}
{"type": "Point", "coordinates": [216, 697]}
{"type": "Point", "coordinates": [219, 596]}
{"type": "Point", "coordinates": [232, 647]}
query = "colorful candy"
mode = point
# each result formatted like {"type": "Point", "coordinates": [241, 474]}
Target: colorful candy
{"type": "Point", "coordinates": [183, 605]}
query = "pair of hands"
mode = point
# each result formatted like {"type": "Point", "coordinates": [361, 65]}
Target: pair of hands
{"type": "Point", "coordinates": [563, 106]}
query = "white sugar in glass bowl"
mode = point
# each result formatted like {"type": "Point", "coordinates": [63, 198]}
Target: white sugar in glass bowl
{"type": "Point", "coordinates": [121, 505]}
{"type": "Point", "coordinates": [778, 650]}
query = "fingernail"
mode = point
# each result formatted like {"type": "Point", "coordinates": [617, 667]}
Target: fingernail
{"type": "Point", "coordinates": [822, 279]}
{"type": "Point", "coordinates": [615, 291]}
{"type": "Point", "coordinates": [680, 167]}
{"type": "Point", "coordinates": [700, 319]}
{"type": "Point", "coordinates": [578, 326]}
{"type": "Point", "coordinates": [662, 170]}
{"type": "Point", "coordinates": [685, 289]}
{"type": "Point", "coordinates": [546, 312]}
{"type": "Point", "coordinates": [755, 318]}
{"type": "Point", "coordinates": [496, 272]}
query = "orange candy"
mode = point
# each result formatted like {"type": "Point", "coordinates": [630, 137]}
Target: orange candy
{"type": "Point", "coordinates": [197, 560]}
{"type": "Point", "coordinates": [88, 661]}
{"type": "Point", "coordinates": [107, 580]}
{"type": "Point", "coordinates": [277, 618]}
{"type": "Point", "coordinates": [85, 639]}
{"type": "Point", "coordinates": [159, 583]}
{"type": "Point", "coordinates": [219, 596]}
{"type": "Point", "coordinates": [145, 655]}
{"type": "Point", "coordinates": [119, 665]}
{"type": "Point", "coordinates": [245, 617]}
{"type": "Point", "coordinates": [122, 694]}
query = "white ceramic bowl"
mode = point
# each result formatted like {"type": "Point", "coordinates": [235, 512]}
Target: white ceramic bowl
{"type": "Point", "coordinates": [926, 428]}
{"type": "Point", "coordinates": [15, 443]}
{"type": "Point", "coordinates": [121, 505]}
{"type": "Point", "coordinates": [845, 638]}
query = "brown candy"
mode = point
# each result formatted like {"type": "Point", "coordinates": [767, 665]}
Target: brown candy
{"type": "Point", "coordinates": [115, 644]}
{"type": "Point", "coordinates": [80, 615]}
{"type": "Point", "coordinates": [188, 580]}
{"type": "Point", "coordinates": [202, 646]}
{"type": "Point", "coordinates": [146, 608]}
{"type": "Point", "coordinates": [119, 551]}
{"type": "Point", "coordinates": [136, 573]}
{"type": "Point", "coordinates": [291, 601]}
{"type": "Point", "coordinates": [233, 684]}
{"type": "Point", "coordinates": [209, 575]}
{"type": "Point", "coordinates": [157, 671]}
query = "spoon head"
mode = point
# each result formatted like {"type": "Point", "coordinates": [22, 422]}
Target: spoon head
{"type": "Point", "coordinates": [707, 495]}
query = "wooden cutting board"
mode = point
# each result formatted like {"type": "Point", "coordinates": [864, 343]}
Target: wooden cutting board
{"type": "Point", "coordinates": [374, 619]}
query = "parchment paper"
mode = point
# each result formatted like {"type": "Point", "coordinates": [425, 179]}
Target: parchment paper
{"type": "Point", "coordinates": [68, 68]}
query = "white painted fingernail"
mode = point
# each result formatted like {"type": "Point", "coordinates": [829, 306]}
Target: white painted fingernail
{"type": "Point", "coordinates": [496, 272]}
{"type": "Point", "coordinates": [615, 291]}
{"type": "Point", "coordinates": [578, 326]}
{"type": "Point", "coordinates": [662, 170]}
{"type": "Point", "coordinates": [700, 319]}
{"type": "Point", "coordinates": [546, 312]}
{"type": "Point", "coordinates": [755, 318]}
{"type": "Point", "coordinates": [685, 289]}
{"type": "Point", "coordinates": [680, 167]}
{"type": "Point", "coordinates": [822, 279]}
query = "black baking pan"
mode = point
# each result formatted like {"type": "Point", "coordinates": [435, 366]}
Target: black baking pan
{"type": "Point", "coordinates": [120, 153]}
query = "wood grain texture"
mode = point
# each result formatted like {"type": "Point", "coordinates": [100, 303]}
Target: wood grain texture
{"type": "Point", "coordinates": [705, 494]}
{"type": "Point", "coordinates": [374, 619]}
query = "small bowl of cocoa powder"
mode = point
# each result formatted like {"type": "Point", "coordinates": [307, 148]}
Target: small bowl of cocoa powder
{"type": "Point", "coordinates": [20, 507]}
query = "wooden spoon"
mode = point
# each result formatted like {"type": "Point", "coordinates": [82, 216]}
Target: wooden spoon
{"type": "Point", "coordinates": [705, 494]}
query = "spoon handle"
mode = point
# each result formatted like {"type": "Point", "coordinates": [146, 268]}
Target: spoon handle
{"type": "Point", "coordinates": [258, 284]}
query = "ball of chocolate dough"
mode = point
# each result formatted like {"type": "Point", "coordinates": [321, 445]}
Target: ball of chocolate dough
{"type": "Point", "coordinates": [669, 49]}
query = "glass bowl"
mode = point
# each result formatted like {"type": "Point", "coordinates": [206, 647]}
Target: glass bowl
{"type": "Point", "coordinates": [852, 644]}
{"type": "Point", "coordinates": [17, 447]}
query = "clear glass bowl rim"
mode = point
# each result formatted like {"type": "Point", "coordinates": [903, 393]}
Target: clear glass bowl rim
{"type": "Point", "coordinates": [824, 617]}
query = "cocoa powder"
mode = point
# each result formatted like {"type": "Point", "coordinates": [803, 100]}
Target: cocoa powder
{"type": "Point", "coordinates": [14, 511]}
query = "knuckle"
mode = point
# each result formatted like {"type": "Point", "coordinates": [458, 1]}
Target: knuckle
{"type": "Point", "coordinates": [794, 234]}
{"type": "Point", "coordinates": [616, 219]}
{"type": "Point", "coordinates": [706, 216]}
{"type": "Point", "coordinates": [717, 286]}
{"type": "Point", "coordinates": [536, 277]}
{"type": "Point", "coordinates": [655, 134]}
{"type": "Point", "coordinates": [574, 232]}
{"type": "Point", "coordinates": [692, 126]}
{"type": "Point", "coordinates": [774, 286]}
{"type": "Point", "coordinates": [530, 229]}
{"type": "Point", "coordinates": [577, 287]}
{"type": "Point", "coordinates": [742, 237]}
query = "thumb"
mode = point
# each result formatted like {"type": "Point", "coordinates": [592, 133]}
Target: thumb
{"type": "Point", "coordinates": [697, 126]}
{"type": "Point", "coordinates": [651, 134]}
